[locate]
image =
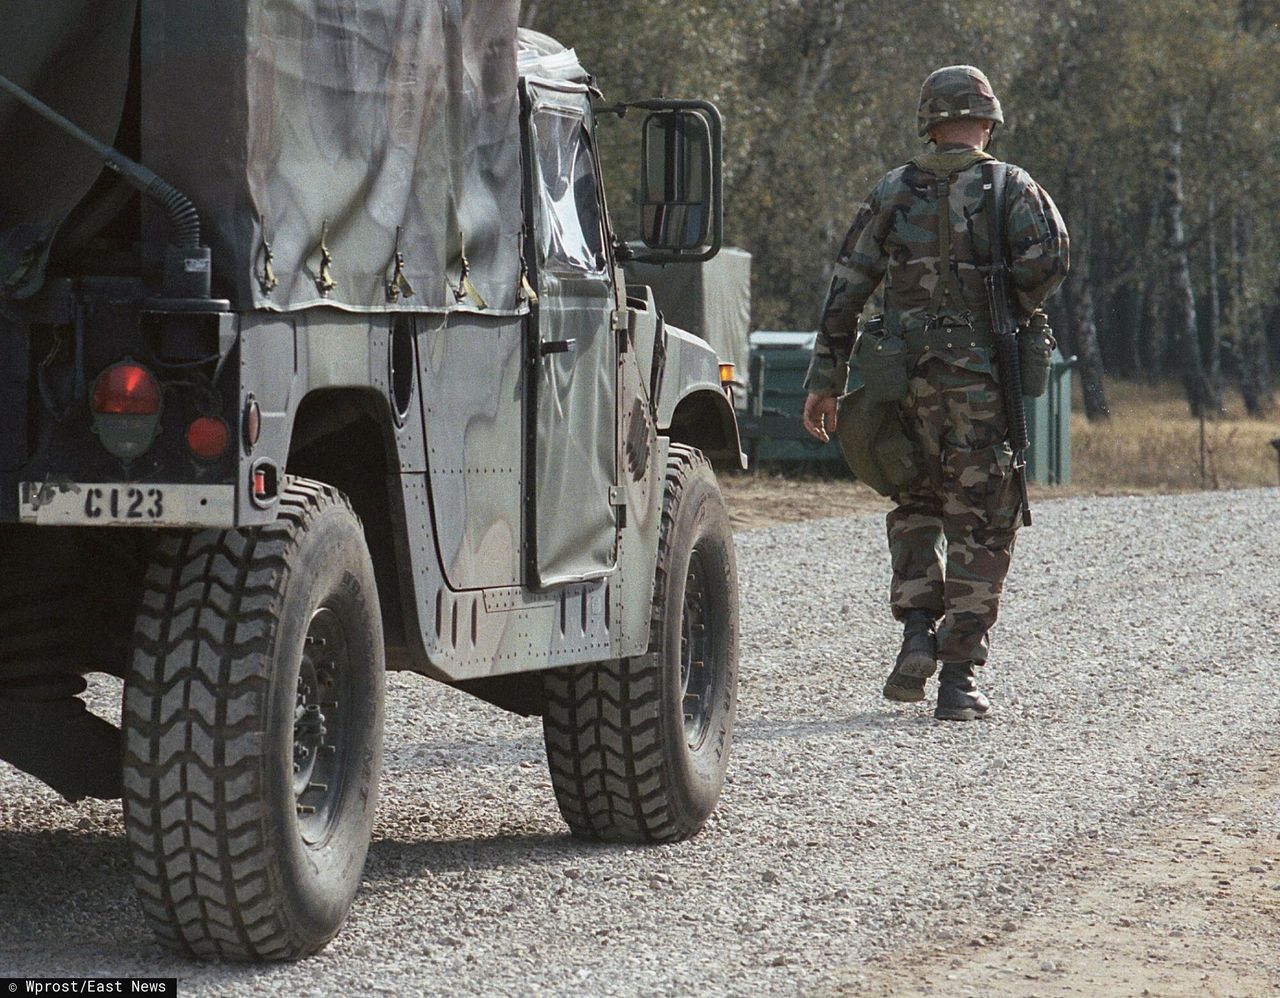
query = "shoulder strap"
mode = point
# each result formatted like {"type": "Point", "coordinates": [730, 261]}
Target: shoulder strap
{"type": "Point", "coordinates": [946, 293]}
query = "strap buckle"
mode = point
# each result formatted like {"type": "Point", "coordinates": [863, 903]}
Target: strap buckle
{"type": "Point", "coordinates": [934, 320]}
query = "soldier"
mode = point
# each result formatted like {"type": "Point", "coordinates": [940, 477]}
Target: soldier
{"type": "Point", "coordinates": [952, 530]}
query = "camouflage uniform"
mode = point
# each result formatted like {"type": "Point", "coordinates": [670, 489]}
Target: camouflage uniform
{"type": "Point", "coordinates": [952, 531]}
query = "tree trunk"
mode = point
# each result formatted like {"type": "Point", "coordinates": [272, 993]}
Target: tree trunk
{"type": "Point", "coordinates": [1157, 322]}
{"type": "Point", "coordinates": [1151, 347]}
{"type": "Point", "coordinates": [1137, 355]}
{"type": "Point", "coordinates": [1129, 331]}
{"type": "Point", "coordinates": [1248, 329]}
{"type": "Point", "coordinates": [530, 14]}
{"type": "Point", "coordinates": [1085, 322]}
{"type": "Point", "coordinates": [1213, 372]}
{"type": "Point", "coordinates": [1186, 332]}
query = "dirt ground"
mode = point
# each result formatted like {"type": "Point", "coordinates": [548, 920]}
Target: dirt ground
{"type": "Point", "coordinates": [1185, 908]}
{"type": "Point", "coordinates": [759, 500]}
{"type": "Point", "coordinates": [1190, 906]}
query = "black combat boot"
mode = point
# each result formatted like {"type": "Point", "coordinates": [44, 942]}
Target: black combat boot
{"type": "Point", "coordinates": [916, 660]}
{"type": "Point", "coordinates": [958, 696]}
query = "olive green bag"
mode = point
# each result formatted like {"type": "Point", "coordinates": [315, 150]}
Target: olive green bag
{"type": "Point", "coordinates": [881, 352]}
{"type": "Point", "coordinates": [874, 443]}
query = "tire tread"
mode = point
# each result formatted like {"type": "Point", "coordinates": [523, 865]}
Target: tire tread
{"type": "Point", "coordinates": [601, 723]}
{"type": "Point", "coordinates": [198, 685]}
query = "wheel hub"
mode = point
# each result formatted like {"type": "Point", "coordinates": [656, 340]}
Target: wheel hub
{"type": "Point", "coordinates": [696, 680]}
{"type": "Point", "coordinates": [318, 730]}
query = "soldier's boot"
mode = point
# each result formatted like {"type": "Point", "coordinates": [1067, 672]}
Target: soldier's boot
{"type": "Point", "coordinates": [916, 660]}
{"type": "Point", "coordinates": [958, 696]}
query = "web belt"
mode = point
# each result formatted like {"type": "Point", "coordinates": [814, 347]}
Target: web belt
{"type": "Point", "coordinates": [948, 337]}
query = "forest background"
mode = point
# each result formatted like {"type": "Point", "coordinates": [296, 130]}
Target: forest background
{"type": "Point", "coordinates": [1155, 125]}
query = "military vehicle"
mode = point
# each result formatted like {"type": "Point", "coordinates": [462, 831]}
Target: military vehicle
{"type": "Point", "coordinates": [317, 361]}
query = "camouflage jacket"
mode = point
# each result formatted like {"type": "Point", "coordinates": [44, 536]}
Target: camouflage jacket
{"type": "Point", "coordinates": [894, 237]}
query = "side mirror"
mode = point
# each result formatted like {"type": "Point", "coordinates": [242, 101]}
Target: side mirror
{"type": "Point", "coordinates": [681, 182]}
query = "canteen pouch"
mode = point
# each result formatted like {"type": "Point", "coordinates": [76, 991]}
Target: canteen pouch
{"type": "Point", "coordinates": [883, 360]}
{"type": "Point", "coordinates": [1035, 355]}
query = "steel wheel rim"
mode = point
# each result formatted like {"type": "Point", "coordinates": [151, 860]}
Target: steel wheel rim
{"type": "Point", "coordinates": [696, 671]}
{"type": "Point", "coordinates": [320, 733]}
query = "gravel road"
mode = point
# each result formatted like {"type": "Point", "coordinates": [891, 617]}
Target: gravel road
{"type": "Point", "coordinates": [1133, 677]}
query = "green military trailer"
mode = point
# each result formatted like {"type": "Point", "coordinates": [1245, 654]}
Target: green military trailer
{"type": "Point", "coordinates": [772, 430]}
{"type": "Point", "coordinates": [318, 360]}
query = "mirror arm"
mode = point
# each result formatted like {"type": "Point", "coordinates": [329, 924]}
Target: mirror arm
{"type": "Point", "coordinates": [624, 251]}
{"type": "Point", "coordinates": [618, 110]}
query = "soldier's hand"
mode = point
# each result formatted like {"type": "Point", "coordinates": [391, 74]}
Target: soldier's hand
{"type": "Point", "coordinates": [820, 416]}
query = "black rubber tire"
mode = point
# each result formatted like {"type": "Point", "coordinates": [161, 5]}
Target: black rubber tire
{"type": "Point", "coordinates": [623, 765]}
{"type": "Point", "coordinates": [215, 829]}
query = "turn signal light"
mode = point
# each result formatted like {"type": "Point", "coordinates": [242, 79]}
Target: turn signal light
{"type": "Point", "coordinates": [126, 389]}
{"type": "Point", "coordinates": [726, 373]}
{"type": "Point", "coordinates": [207, 438]}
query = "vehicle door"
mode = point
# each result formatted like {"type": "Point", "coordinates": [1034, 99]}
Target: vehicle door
{"type": "Point", "coordinates": [570, 527]}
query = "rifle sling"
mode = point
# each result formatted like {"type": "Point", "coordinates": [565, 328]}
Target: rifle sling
{"type": "Point", "coordinates": [1006, 345]}
{"type": "Point", "coordinates": [994, 188]}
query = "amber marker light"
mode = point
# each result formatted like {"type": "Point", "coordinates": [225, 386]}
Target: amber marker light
{"type": "Point", "coordinates": [726, 374]}
{"type": "Point", "coordinates": [252, 422]}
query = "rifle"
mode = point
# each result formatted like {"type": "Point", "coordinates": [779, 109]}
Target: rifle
{"type": "Point", "coordinates": [1005, 328]}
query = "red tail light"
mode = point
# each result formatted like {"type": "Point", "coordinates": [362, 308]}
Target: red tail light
{"type": "Point", "coordinates": [126, 389]}
{"type": "Point", "coordinates": [207, 437]}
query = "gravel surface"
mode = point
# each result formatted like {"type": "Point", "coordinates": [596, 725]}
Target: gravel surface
{"type": "Point", "coordinates": [1132, 675]}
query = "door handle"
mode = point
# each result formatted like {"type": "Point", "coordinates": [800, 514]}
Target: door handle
{"type": "Point", "coordinates": [556, 346]}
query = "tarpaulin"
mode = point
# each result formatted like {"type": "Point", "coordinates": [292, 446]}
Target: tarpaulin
{"type": "Point", "coordinates": [324, 137]}
{"type": "Point", "coordinates": [74, 56]}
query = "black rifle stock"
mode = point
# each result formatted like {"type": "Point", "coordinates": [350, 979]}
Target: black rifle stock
{"type": "Point", "coordinates": [1004, 326]}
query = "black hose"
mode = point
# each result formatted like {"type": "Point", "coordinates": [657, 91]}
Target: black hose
{"type": "Point", "coordinates": [184, 219]}
{"type": "Point", "coordinates": [182, 213]}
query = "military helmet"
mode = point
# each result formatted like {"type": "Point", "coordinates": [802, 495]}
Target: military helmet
{"type": "Point", "coordinates": [957, 92]}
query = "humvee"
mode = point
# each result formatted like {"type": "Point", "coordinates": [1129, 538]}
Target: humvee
{"type": "Point", "coordinates": [318, 361]}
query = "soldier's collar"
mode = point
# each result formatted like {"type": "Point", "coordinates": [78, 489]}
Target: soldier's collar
{"type": "Point", "coordinates": [949, 159]}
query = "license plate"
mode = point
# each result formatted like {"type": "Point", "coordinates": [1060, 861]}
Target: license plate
{"type": "Point", "coordinates": [114, 504]}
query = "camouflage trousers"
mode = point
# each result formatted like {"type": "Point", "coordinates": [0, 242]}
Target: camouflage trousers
{"type": "Point", "coordinates": [951, 535]}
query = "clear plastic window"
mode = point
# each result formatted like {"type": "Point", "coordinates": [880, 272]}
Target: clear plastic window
{"type": "Point", "coordinates": [570, 230]}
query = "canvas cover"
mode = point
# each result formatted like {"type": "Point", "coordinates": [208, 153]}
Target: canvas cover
{"type": "Point", "coordinates": [299, 128]}
{"type": "Point", "coordinates": [543, 57]}
{"type": "Point", "coordinates": [74, 56]}
{"type": "Point", "coordinates": [293, 123]}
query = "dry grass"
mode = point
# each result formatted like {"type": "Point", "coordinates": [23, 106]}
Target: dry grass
{"type": "Point", "coordinates": [1151, 443]}
{"type": "Point", "coordinates": [759, 500]}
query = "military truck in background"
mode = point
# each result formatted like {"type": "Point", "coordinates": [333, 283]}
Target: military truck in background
{"type": "Point", "coordinates": [712, 300]}
{"type": "Point", "coordinates": [318, 360]}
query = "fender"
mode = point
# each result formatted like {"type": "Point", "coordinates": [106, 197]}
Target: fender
{"type": "Point", "coordinates": [692, 406]}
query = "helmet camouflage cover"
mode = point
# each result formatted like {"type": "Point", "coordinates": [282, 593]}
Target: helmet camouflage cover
{"type": "Point", "coordinates": [957, 92]}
